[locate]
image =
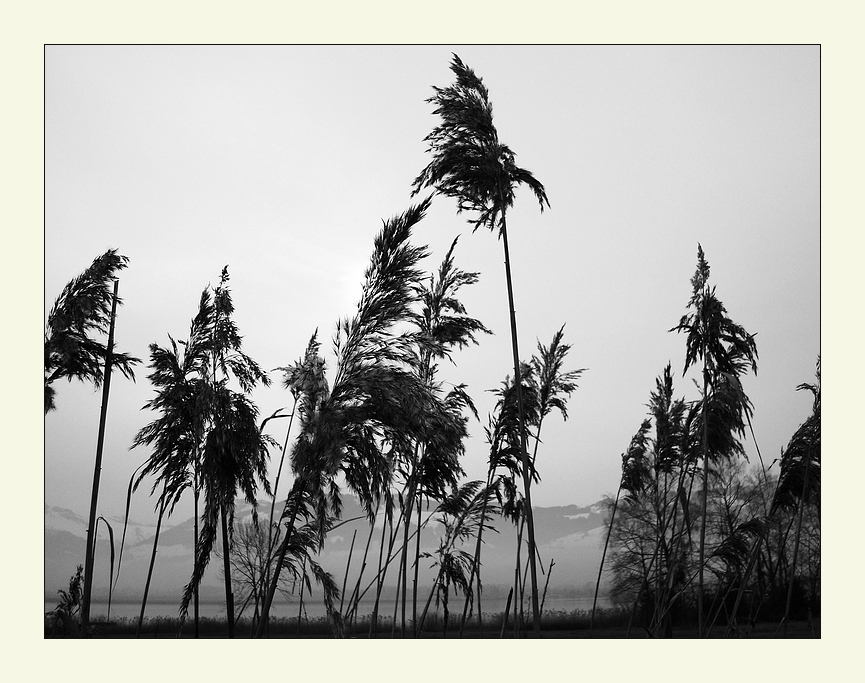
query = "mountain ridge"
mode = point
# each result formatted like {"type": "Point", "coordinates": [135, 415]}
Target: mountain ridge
{"type": "Point", "coordinates": [569, 535]}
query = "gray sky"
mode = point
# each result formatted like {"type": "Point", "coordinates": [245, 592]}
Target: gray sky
{"type": "Point", "coordinates": [282, 161]}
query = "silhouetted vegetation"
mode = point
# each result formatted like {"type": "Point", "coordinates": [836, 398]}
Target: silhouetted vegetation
{"type": "Point", "coordinates": [752, 524]}
{"type": "Point", "coordinates": [699, 546]}
{"type": "Point", "coordinates": [608, 623]}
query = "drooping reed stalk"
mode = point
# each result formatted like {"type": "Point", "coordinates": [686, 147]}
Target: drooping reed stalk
{"type": "Point", "coordinates": [126, 521]}
{"type": "Point", "coordinates": [111, 558]}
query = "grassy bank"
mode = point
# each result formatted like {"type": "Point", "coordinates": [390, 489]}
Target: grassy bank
{"type": "Point", "coordinates": [609, 623]}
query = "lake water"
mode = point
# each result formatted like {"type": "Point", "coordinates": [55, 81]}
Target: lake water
{"type": "Point", "coordinates": [315, 608]}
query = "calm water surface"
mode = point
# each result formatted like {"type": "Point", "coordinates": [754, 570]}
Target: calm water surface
{"type": "Point", "coordinates": [314, 608]}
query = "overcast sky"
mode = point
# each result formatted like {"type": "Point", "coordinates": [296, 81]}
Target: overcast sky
{"type": "Point", "coordinates": [281, 162]}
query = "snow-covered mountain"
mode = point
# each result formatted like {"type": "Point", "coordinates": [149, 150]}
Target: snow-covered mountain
{"type": "Point", "coordinates": [65, 539]}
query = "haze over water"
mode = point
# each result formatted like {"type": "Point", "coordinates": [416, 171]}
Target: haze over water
{"type": "Point", "coordinates": [315, 609]}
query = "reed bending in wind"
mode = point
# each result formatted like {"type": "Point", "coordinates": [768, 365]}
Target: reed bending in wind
{"type": "Point", "coordinates": [377, 406]}
{"type": "Point", "coordinates": [553, 387]}
{"type": "Point", "coordinates": [727, 351]}
{"type": "Point", "coordinates": [87, 305]}
{"type": "Point", "coordinates": [83, 310]}
{"type": "Point", "coordinates": [442, 325]}
{"type": "Point", "coordinates": [546, 386]}
{"type": "Point", "coordinates": [799, 480]}
{"type": "Point", "coordinates": [759, 544]}
{"type": "Point", "coordinates": [207, 436]}
{"type": "Point", "coordinates": [470, 164]}
{"type": "Point", "coordinates": [235, 451]}
{"type": "Point", "coordinates": [303, 378]}
{"type": "Point", "coordinates": [461, 513]}
{"type": "Point", "coordinates": [632, 482]}
{"type": "Point", "coordinates": [180, 377]}
{"type": "Point", "coordinates": [650, 538]}
{"type": "Point", "coordinates": [506, 435]}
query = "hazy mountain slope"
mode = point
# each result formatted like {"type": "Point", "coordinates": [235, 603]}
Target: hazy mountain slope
{"type": "Point", "coordinates": [572, 536]}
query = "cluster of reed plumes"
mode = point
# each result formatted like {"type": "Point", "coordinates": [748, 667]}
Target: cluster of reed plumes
{"type": "Point", "coordinates": [385, 427]}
